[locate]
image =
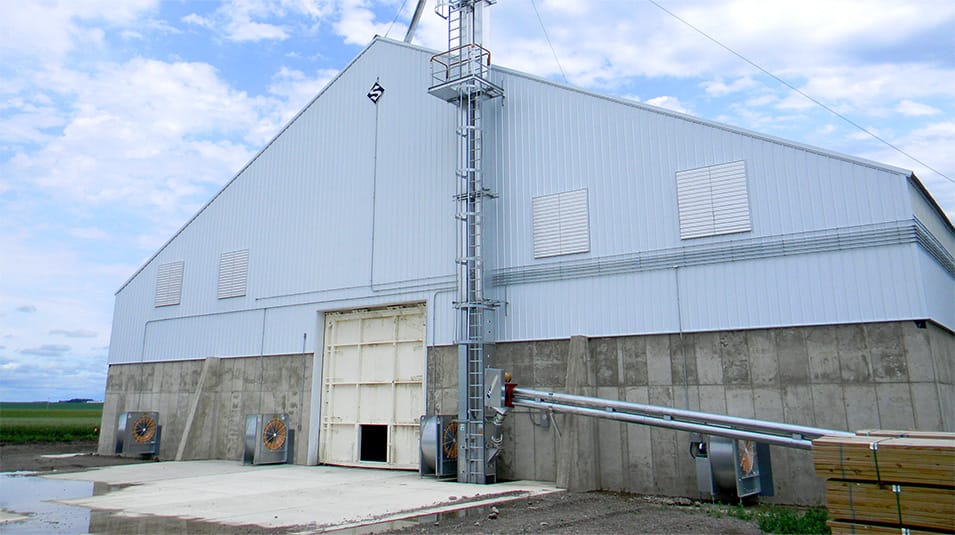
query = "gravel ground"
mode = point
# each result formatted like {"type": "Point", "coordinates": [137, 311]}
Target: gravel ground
{"type": "Point", "coordinates": [570, 513]}
{"type": "Point", "coordinates": [590, 513]}
{"type": "Point", "coordinates": [30, 457]}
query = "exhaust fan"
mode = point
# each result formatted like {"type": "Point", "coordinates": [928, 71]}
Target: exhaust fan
{"type": "Point", "coordinates": [439, 446]}
{"type": "Point", "coordinates": [731, 467]}
{"type": "Point", "coordinates": [268, 439]}
{"type": "Point", "coordinates": [137, 433]}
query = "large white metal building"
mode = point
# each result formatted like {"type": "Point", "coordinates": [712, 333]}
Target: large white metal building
{"type": "Point", "coordinates": [708, 266]}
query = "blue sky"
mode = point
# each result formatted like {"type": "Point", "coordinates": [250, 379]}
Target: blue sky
{"type": "Point", "coordinates": [118, 120]}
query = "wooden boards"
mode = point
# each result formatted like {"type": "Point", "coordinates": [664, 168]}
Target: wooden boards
{"type": "Point", "coordinates": [900, 505]}
{"type": "Point", "coordinates": [868, 529]}
{"type": "Point", "coordinates": [888, 481]}
{"type": "Point", "coordinates": [929, 461]}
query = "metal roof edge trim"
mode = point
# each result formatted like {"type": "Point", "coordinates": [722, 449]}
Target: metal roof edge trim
{"type": "Point", "coordinates": [374, 41]}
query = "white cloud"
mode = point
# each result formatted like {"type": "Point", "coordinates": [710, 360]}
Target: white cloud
{"type": "Point", "coordinates": [46, 350]}
{"type": "Point", "coordinates": [243, 29]}
{"type": "Point", "coordinates": [256, 20]}
{"type": "Point", "coordinates": [52, 29]}
{"type": "Point", "coordinates": [146, 132]}
{"type": "Point", "coordinates": [198, 20]}
{"type": "Point", "coordinates": [235, 21]}
{"type": "Point", "coordinates": [356, 23]}
{"type": "Point", "coordinates": [297, 89]}
{"type": "Point", "coordinates": [719, 88]}
{"type": "Point", "coordinates": [75, 333]}
{"type": "Point", "coordinates": [668, 102]}
{"type": "Point", "coordinates": [916, 109]}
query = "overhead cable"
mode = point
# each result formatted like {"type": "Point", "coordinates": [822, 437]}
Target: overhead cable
{"type": "Point", "coordinates": [400, 9]}
{"type": "Point", "coordinates": [803, 93]}
{"type": "Point", "coordinates": [554, 52]}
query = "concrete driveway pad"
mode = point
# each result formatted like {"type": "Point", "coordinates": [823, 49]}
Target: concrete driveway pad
{"type": "Point", "coordinates": [326, 497]}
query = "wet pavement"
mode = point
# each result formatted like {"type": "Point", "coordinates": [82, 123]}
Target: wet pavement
{"type": "Point", "coordinates": [27, 506]}
{"type": "Point", "coordinates": [220, 496]}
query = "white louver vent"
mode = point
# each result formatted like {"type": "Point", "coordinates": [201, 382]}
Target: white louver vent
{"type": "Point", "coordinates": [233, 273]}
{"type": "Point", "coordinates": [169, 284]}
{"type": "Point", "coordinates": [713, 200]}
{"type": "Point", "coordinates": [561, 224]}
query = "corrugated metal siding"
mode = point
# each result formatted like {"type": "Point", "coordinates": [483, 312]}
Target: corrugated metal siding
{"type": "Point", "coordinates": [220, 335]}
{"type": "Point", "coordinates": [549, 139]}
{"type": "Point", "coordinates": [939, 291]}
{"type": "Point", "coordinates": [325, 214]}
{"type": "Point", "coordinates": [352, 207]}
{"type": "Point", "coordinates": [552, 139]}
{"type": "Point", "coordinates": [926, 214]}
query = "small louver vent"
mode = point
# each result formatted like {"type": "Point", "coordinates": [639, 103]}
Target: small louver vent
{"type": "Point", "coordinates": [233, 273]}
{"type": "Point", "coordinates": [713, 200]}
{"type": "Point", "coordinates": [169, 284]}
{"type": "Point", "coordinates": [561, 224]}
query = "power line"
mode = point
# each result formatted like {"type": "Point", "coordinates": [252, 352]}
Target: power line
{"type": "Point", "coordinates": [554, 52]}
{"type": "Point", "coordinates": [803, 93]}
{"type": "Point", "coordinates": [400, 9]}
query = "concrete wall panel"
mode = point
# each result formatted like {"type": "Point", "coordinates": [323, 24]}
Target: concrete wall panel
{"type": "Point", "coordinates": [211, 406]}
{"type": "Point", "coordinates": [819, 376]}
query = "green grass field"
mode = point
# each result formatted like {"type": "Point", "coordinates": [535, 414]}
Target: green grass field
{"type": "Point", "coordinates": [49, 422]}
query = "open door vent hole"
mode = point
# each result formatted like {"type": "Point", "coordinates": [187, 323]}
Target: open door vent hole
{"type": "Point", "coordinates": [374, 443]}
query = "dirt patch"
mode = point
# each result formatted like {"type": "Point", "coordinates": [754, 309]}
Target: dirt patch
{"type": "Point", "coordinates": [32, 457]}
{"type": "Point", "coordinates": [591, 512]}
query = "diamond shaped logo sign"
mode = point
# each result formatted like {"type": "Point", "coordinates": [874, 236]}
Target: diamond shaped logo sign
{"type": "Point", "coordinates": [376, 92]}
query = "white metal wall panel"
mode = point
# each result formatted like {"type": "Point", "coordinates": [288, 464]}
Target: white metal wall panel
{"type": "Point", "coordinates": [352, 206]}
{"type": "Point", "coordinates": [940, 298]}
{"type": "Point", "coordinates": [325, 222]}
{"type": "Point", "coordinates": [233, 273]}
{"type": "Point", "coordinates": [561, 224]}
{"type": "Point", "coordinates": [373, 374]}
{"type": "Point", "coordinates": [169, 284]}
{"type": "Point", "coordinates": [221, 335]}
{"type": "Point", "coordinates": [550, 138]}
{"type": "Point", "coordinates": [861, 285]}
{"type": "Point", "coordinates": [933, 221]}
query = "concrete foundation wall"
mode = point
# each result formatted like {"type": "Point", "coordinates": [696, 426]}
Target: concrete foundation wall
{"type": "Point", "coordinates": [850, 377]}
{"type": "Point", "coordinates": [202, 404]}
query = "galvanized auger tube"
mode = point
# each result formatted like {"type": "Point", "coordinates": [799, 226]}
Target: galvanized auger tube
{"type": "Point", "coordinates": [776, 433]}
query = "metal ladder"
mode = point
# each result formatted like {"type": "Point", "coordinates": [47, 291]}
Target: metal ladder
{"type": "Point", "coordinates": [459, 77]}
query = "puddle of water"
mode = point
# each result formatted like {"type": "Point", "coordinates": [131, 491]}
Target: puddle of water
{"type": "Point", "coordinates": [30, 495]}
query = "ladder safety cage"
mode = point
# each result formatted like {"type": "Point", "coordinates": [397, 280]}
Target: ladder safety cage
{"type": "Point", "coordinates": [459, 77]}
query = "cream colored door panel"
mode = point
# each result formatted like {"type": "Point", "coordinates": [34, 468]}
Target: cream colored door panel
{"type": "Point", "coordinates": [373, 380]}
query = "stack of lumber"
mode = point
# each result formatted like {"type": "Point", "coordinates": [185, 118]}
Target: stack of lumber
{"type": "Point", "coordinates": [888, 481]}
